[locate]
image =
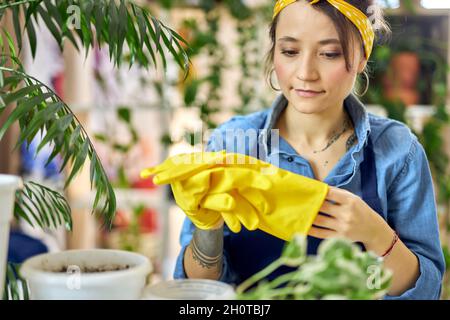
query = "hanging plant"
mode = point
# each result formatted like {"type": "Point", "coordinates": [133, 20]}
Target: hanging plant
{"type": "Point", "coordinates": [204, 41]}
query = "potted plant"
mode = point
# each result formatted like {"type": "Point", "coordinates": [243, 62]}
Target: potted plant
{"type": "Point", "coordinates": [97, 274]}
{"type": "Point", "coordinates": [400, 82]}
{"type": "Point", "coordinates": [339, 271]}
{"type": "Point", "coordinates": [38, 109]}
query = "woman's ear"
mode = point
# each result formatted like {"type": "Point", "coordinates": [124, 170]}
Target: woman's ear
{"type": "Point", "coordinates": [362, 65]}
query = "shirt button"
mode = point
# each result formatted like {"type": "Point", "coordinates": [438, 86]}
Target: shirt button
{"type": "Point", "coordinates": [290, 159]}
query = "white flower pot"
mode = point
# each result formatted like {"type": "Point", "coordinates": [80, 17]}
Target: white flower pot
{"type": "Point", "coordinates": [70, 275]}
{"type": "Point", "coordinates": [8, 186]}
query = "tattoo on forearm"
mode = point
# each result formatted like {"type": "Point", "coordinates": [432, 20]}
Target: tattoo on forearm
{"type": "Point", "coordinates": [207, 247]}
{"type": "Point", "coordinates": [204, 261]}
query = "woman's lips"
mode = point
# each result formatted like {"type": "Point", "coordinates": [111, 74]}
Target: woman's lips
{"type": "Point", "coordinates": [308, 93]}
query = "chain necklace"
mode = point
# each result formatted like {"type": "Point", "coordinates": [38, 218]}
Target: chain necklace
{"type": "Point", "coordinates": [336, 136]}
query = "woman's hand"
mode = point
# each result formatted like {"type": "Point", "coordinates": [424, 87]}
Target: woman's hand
{"type": "Point", "coordinates": [349, 217]}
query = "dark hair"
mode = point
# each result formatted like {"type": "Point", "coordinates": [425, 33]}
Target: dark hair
{"type": "Point", "coordinates": [344, 28]}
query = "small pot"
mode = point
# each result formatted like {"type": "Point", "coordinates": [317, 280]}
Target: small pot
{"type": "Point", "coordinates": [97, 274]}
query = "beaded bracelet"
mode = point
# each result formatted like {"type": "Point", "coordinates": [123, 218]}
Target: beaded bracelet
{"type": "Point", "coordinates": [394, 241]}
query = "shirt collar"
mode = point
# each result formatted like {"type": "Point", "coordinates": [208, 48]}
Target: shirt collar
{"type": "Point", "coordinates": [353, 105]}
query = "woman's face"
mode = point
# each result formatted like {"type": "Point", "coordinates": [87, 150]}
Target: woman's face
{"type": "Point", "coordinates": [313, 61]}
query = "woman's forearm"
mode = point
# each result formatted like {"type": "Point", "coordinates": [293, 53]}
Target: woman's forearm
{"type": "Point", "coordinates": [401, 261]}
{"type": "Point", "coordinates": [204, 255]}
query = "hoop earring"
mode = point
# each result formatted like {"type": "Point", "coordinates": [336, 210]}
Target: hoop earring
{"type": "Point", "coordinates": [270, 81]}
{"type": "Point", "coordinates": [367, 86]}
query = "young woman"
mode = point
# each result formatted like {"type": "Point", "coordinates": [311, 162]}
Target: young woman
{"type": "Point", "coordinates": [381, 193]}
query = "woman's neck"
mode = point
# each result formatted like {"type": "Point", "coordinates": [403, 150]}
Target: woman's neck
{"type": "Point", "coordinates": [312, 131]}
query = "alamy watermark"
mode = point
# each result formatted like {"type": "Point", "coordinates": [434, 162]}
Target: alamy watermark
{"type": "Point", "coordinates": [373, 13]}
{"type": "Point", "coordinates": [242, 147]}
{"type": "Point", "coordinates": [374, 278]}
{"type": "Point", "coordinates": [74, 279]}
{"type": "Point", "coordinates": [74, 21]}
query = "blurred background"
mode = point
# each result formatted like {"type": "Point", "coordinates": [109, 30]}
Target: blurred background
{"type": "Point", "coordinates": [137, 117]}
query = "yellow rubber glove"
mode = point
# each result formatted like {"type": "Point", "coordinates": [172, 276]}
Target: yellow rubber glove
{"type": "Point", "coordinates": [189, 164]}
{"type": "Point", "coordinates": [289, 206]}
{"type": "Point", "coordinates": [217, 189]}
{"type": "Point", "coordinates": [185, 165]}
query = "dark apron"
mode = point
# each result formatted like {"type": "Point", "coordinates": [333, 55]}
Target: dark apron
{"type": "Point", "coordinates": [251, 251]}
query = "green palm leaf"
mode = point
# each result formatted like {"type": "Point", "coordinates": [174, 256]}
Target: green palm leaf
{"type": "Point", "coordinates": [115, 22]}
{"type": "Point", "coordinates": [42, 206]}
{"type": "Point", "coordinates": [39, 110]}
{"type": "Point", "coordinates": [16, 287]}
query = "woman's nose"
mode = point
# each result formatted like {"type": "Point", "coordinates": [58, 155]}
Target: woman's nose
{"type": "Point", "coordinates": [306, 69]}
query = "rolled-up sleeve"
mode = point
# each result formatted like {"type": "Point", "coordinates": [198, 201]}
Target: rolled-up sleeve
{"type": "Point", "coordinates": [412, 212]}
{"type": "Point", "coordinates": [188, 229]}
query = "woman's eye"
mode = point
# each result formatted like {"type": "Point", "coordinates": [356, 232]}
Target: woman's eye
{"type": "Point", "coordinates": [332, 55]}
{"type": "Point", "coordinates": [288, 53]}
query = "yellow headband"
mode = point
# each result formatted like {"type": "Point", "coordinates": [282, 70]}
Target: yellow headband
{"type": "Point", "coordinates": [355, 15]}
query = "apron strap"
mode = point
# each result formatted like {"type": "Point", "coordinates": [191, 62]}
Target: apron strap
{"type": "Point", "coordinates": [369, 185]}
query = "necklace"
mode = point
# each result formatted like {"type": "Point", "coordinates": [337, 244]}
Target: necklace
{"type": "Point", "coordinates": [336, 136]}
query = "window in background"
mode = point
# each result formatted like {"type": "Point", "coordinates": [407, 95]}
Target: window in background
{"type": "Point", "coordinates": [389, 3]}
{"type": "Point", "coordinates": [436, 4]}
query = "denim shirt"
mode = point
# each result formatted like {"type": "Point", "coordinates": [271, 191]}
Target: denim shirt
{"type": "Point", "coordinates": [405, 186]}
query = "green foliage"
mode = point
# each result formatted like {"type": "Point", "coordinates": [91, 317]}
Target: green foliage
{"type": "Point", "coordinates": [206, 41]}
{"type": "Point", "coordinates": [340, 270]}
{"type": "Point", "coordinates": [124, 115]}
{"type": "Point", "coordinates": [39, 205]}
{"type": "Point", "coordinates": [238, 9]}
{"type": "Point", "coordinates": [130, 238]}
{"type": "Point", "coordinates": [40, 111]}
{"type": "Point", "coordinates": [15, 286]}
{"type": "Point", "coordinates": [248, 45]}
{"type": "Point", "coordinates": [433, 129]}
{"type": "Point", "coordinates": [110, 22]}
{"type": "Point", "coordinates": [446, 252]}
